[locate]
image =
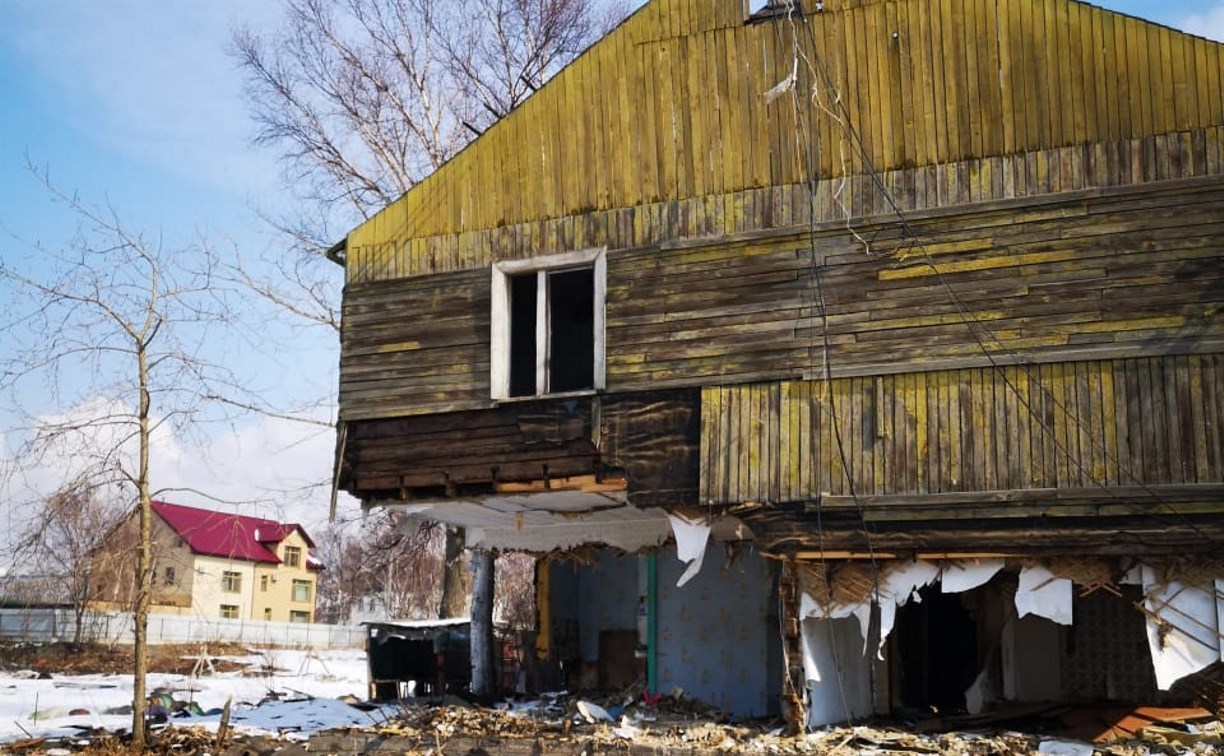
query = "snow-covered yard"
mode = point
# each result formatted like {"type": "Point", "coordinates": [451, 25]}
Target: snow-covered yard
{"type": "Point", "coordinates": [68, 704]}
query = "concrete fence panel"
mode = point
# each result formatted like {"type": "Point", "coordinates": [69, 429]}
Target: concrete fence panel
{"type": "Point", "coordinates": [51, 624]}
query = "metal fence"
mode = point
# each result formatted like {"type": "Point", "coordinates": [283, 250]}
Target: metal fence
{"type": "Point", "coordinates": [51, 624]}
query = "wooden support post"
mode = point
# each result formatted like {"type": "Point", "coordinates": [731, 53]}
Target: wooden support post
{"type": "Point", "coordinates": [793, 684]}
{"type": "Point", "coordinates": [484, 684]}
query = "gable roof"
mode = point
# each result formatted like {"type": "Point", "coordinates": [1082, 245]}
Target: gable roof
{"type": "Point", "coordinates": [671, 106]}
{"type": "Point", "coordinates": [227, 535]}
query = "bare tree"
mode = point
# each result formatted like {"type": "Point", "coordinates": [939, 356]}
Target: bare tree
{"type": "Point", "coordinates": [59, 544]}
{"type": "Point", "coordinates": [364, 98]}
{"type": "Point", "coordinates": [109, 336]}
{"type": "Point", "coordinates": [381, 559]}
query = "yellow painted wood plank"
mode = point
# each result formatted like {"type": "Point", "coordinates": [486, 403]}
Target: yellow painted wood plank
{"type": "Point", "coordinates": [872, 105]}
{"type": "Point", "coordinates": [718, 72]}
{"type": "Point", "coordinates": [1114, 62]}
{"type": "Point", "coordinates": [705, 491]}
{"type": "Point", "coordinates": [1162, 81]}
{"type": "Point", "coordinates": [977, 48]}
{"type": "Point", "coordinates": [917, 446]}
{"type": "Point", "coordinates": [940, 84]}
{"type": "Point", "coordinates": [1061, 68]}
{"type": "Point", "coordinates": [1140, 94]}
{"type": "Point", "coordinates": [924, 109]}
{"type": "Point", "coordinates": [650, 112]}
{"type": "Point", "coordinates": [1200, 412]}
{"type": "Point", "coordinates": [665, 124]}
{"type": "Point", "coordinates": [1079, 18]}
{"type": "Point", "coordinates": [744, 106]}
{"type": "Point", "coordinates": [1182, 73]}
{"type": "Point", "coordinates": [882, 416]}
{"type": "Point", "coordinates": [881, 104]}
{"type": "Point", "coordinates": [942, 425]}
{"type": "Point", "coordinates": [1044, 89]}
{"type": "Point", "coordinates": [1005, 16]}
{"type": "Point", "coordinates": [1095, 72]}
{"type": "Point", "coordinates": [600, 89]}
{"type": "Point", "coordinates": [1214, 89]}
{"type": "Point", "coordinates": [761, 68]}
{"type": "Point", "coordinates": [989, 263]}
{"type": "Point", "coordinates": [703, 108]}
{"type": "Point", "coordinates": [1109, 423]}
{"type": "Point", "coordinates": [1078, 98]}
{"type": "Point", "coordinates": [740, 92]}
{"type": "Point", "coordinates": [957, 18]}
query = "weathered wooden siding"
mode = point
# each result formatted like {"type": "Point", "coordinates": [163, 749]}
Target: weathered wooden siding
{"type": "Point", "coordinates": [415, 347]}
{"type": "Point", "coordinates": [650, 439]}
{"type": "Point", "coordinates": [1076, 425]}
{"type": "Point", "coordinates": [1140, 160]}
{"type": "Point", "coordinates": [1102, 273]}
{"type": "Point", "coordinates": [667, 115]}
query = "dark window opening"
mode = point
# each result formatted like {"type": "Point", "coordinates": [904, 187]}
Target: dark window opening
{"type": "Point", "coordinates": [571, 334]}
{"type": "Point", "coordinates": [523, 290]}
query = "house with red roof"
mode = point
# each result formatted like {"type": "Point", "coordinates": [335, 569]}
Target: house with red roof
{"type": "Point", "coordinates": [213, 564]}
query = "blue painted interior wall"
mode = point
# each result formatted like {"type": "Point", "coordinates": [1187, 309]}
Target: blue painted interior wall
{"type": "Point", "coordinates": [599, 596]}
{"type": "Point", "coordinates": [717, 637]}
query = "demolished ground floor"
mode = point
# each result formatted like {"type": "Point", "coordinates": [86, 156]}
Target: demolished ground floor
{"type": "Point", "coordinates": [689, 605]}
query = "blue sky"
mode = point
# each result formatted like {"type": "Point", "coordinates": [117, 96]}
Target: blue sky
{"type": "Point", "coordinates": [135, 103]}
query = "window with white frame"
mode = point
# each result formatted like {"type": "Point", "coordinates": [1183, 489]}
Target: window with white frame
{"type": "Point", "coordinates": [548, 325]}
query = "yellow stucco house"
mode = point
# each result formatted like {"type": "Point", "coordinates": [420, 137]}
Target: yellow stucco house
{"type": "Point", "coordinates": [213, 564]}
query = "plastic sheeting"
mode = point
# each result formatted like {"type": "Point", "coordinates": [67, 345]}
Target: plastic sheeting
{"type": "Point", "coordinates": [1183, 627]}
{"type": "Point", "coordinates": [958, 577]}
{"type": "Point", "coordinates": [691, 539]}
{"type": "Point", "coordinates": [1043, 594]}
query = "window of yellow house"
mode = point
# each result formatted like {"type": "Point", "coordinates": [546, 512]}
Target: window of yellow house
{"type": "Point", "coordinates": [231, 582]}
{"type": "Point", "coordinates": [301, 590]}
{"type": "Point", "coordinates": [293, 556]}
{"type": "Point", "coordinates": [299, 616]}
{"type": "Point", "coordinates": [229, 611]}
{"type": "Point", "coordinates": [170, 577]}
{"type": "Point", "coordinates": [267, 613]}
{"type": "Point", "coordinates": [263, 583]}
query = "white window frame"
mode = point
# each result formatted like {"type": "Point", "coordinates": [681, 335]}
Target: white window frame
{"type": "Point", "coordinates": [499, 362]}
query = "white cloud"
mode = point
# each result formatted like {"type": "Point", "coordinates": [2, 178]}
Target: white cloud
{"type": "Point", "coordinates": [268, 467]}
{"type": "Point", "coordinates": [1209, 23]}
{"type": "Point", "coordinates": [153, 80]}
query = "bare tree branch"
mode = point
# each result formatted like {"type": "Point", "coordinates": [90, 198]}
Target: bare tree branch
{"type": "Point", "coordinates": [113, 330]}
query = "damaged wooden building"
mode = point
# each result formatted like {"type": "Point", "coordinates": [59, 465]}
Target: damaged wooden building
{"type": "Point", "coordinates": [872, 350]}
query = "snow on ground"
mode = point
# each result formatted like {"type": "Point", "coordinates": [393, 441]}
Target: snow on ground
{"type": "Point", "coordinates": [42, 708]}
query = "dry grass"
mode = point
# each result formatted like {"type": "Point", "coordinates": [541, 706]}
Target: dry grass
{"type": "Point", "coordinates": [90, 658]}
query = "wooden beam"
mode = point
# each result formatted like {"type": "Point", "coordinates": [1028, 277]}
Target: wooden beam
{"type": "Point", "coordinates": [583, 483]}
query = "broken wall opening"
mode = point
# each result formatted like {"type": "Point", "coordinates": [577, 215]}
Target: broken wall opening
{"type": "Point", "coordinates": [716, 636]}
{"type": "Point", "coordinates": [976, 634]}
{"type": "Point", "coordinates": [935, 649]}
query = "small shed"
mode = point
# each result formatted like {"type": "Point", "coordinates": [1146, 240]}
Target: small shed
{"type": "Point", "coordinates": [434, 655]}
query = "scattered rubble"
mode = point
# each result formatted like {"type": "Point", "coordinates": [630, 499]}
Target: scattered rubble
{"type": "Point", "coordinates": [559, 724]}
{"type": "Point", "coordinates": [283, 718]}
